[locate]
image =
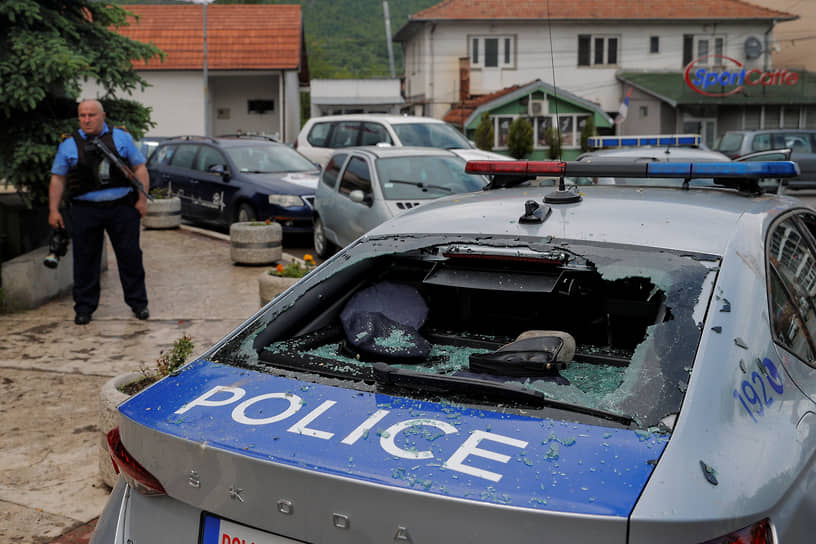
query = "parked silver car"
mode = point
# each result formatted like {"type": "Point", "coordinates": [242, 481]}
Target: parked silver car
{"type": "Point", "coordinates": [621, 365]}
{"type": "Point", "coordinates": [361, 187]}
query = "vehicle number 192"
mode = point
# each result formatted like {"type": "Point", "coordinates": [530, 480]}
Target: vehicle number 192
{"type": "Point", "coordinates": [757, 394]}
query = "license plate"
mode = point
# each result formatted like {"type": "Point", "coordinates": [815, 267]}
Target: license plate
{"type": "Point", "coordinates": [221, 531]}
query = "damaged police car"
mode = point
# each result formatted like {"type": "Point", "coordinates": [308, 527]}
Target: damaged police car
{"type": "Point", "coordinates": [627, 364]}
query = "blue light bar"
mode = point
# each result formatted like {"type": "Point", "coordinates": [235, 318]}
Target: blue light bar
{"type": "Point", "coordinates": [752, 170]}
{"type": "Point", "coordinates": [638, 141]}
{"type": "Point", "coordinates": [631, 169]}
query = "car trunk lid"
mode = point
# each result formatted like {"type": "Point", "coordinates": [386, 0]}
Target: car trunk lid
{"type": "Point", "coordinates": [298, 458]}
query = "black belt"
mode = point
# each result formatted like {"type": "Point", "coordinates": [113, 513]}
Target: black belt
{"type": "Point", "coordinates": [127, 199]}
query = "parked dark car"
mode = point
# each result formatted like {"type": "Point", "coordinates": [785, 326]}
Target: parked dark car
{"type": "Point", "coordinates": [224, 180]}
{"type": "Point", "coordinates": [800, 145]}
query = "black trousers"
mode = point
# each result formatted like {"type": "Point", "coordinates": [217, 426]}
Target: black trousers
{"type": "Point", "coordinates": [123, 225]}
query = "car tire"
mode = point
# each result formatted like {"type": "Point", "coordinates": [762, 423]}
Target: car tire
{"type": "Point", "coordinates": [245, 213]}
{"type": "Point", "coordinates": [322, 246]}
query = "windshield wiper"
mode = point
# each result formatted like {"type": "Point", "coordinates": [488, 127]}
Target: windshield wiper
{"type": "Point", "coordinates": [385, 374]}
{"type": "Point", "coordinates": [421, 185]}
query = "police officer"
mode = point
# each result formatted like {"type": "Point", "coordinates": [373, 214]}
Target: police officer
{"type": "Point", "coordinates": [100, 199]}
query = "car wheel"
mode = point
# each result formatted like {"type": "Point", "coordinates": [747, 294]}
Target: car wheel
{"type": "Point", "coordinates": [245, 213]}
{"type": "Point", "coordinates": [322, 246]}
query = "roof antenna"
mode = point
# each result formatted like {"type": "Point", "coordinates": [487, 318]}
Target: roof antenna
{"type": "Point", "coordinates": [561, 196]}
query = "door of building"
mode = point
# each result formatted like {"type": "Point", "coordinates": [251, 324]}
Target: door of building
{"type": "Point", "coordinates": [706, 127]}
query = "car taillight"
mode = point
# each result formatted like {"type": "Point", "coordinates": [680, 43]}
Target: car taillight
{"type": "Point", "coordinates": [134, 474]}
{"type": "Point", "coordinates": [758, 533]}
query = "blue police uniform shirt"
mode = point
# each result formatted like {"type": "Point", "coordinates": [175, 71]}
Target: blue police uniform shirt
{"type": "Point", "coordinates": [67, 158]}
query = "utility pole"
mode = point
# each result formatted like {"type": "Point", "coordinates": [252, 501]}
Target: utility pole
{"type": "Point", "coordinates": [388, 39]}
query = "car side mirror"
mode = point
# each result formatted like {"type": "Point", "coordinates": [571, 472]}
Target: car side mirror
{"type": "Point", "coordinates": [360, 197]}
{"type": "Point", "coordinates": [219, 169]}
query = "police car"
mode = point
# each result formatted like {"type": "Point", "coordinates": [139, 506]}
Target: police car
{"type": "Point", "coordinates": [623, 364]}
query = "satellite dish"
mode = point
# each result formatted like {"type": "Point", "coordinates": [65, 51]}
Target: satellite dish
{"type": "Point", "coordinates": [753, 48]}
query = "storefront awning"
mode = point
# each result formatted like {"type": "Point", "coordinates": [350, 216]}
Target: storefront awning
{"type": "Point", "coordinates": [673, 88]}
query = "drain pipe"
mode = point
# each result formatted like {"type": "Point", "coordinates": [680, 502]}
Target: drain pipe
{"type": "Point", "coordinates": [766, 48]}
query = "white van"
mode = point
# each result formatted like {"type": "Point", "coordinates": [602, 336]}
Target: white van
{"type": "Point", "coordinates": [320, 136]}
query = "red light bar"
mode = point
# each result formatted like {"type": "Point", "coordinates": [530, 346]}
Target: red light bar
{"type": "Point", "coordinates": [515, 167]}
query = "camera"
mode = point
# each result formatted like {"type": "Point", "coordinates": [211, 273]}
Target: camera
{"type": "Point", "coordinates": [57, 247]}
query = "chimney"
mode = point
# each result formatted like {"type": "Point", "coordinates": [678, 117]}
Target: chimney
{"type": "Point", "coordinates": [464, 78]}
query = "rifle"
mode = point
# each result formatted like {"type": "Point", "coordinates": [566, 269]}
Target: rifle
{"type": "Point", "coordinates": [125, 169]}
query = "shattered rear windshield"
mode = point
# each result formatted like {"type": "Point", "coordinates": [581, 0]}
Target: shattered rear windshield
{"type": "Point", "coordinates": [579, 331]}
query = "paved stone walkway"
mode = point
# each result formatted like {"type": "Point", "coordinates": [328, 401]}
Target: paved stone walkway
{"type": "Point", "coordinates": [51, 371]}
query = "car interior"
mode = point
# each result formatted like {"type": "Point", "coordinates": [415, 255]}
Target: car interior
{"type": "Point", "coordinates": [467, 314]}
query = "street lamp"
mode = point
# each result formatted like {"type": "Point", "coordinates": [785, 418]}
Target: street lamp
{"type": "Point", "coordinates": [206, 83]}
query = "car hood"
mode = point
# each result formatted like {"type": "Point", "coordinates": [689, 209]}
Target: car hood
{"type": "Point", "coordinates": [298, 182]}
{"type": "Point", "coordinates": [444, 450]}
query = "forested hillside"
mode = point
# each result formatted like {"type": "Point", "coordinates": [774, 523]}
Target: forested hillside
{"type": "Point", "coordinates": [344, 38]}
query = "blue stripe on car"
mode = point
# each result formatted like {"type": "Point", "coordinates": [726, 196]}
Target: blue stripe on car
{"type": "Point", "coordinates": [431, 447]}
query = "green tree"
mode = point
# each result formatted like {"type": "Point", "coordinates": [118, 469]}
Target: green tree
{"type": "Point", "coordinates": [484, 133]}
{"type": "Point", "coordinates": [553, 138]}
{"type": "Point", "coordinates": [587, 132]}
{"type": "Point", "coordinates": [520, 138]}
{"type": "Point", "coordinates": [48, 49]}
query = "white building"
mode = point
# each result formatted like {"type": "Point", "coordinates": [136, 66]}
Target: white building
{"type": "Point", "coordinates": [256, 65]}
{"type": "Point", "coordinates": [584, 47]}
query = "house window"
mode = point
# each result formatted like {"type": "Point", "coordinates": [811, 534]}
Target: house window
{"type": "Point", "coordinates": [492, 52]}
{"type": "Point", "coordinates": [654, 44]}
{"type": "Point", "coordinates": [597, 50]}
{"type": "Point", "coordinates": [569, 126]}
{"type": "Point", "coordinates": [696, 46]}
{"type": "Point", "coordinates": [502, 131]}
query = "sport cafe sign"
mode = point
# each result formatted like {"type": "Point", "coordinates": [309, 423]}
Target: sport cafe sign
{"type": "Point", "coordinates": [731, 77]}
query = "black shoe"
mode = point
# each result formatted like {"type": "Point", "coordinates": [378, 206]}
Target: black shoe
{"type": "Point", "coordinates": [82, 319]}
{"type": "Point", "coordinates": [141, 314]}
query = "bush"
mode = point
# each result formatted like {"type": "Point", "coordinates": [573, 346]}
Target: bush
{"type": "Point", "coordinates": [520, 138]}
{"type": "Point", "coordinates": [587, 132]}
{"type": "Point", "coordinates": [553, 139]}
{"type": "Point", "coordinates": [484, 136]}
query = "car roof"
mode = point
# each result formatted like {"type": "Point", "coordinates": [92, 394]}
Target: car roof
{"type": "Point", "coordinates": [388, 118]}
{"type": "Point", "coordinates": [773, 131]}
{"type": "Point", "coordinates": [657, 153]}
{"type": "Point", "coordinates": [397, 151]}
{"type": "Point", "coordinates": [224, 142]}
{"type": "Point", "coordinates": [698, 220]}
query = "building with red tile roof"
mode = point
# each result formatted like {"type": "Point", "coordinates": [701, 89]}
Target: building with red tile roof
{"type": "Point", "coordinates": [460, 55]}
{"type": "Point", "coordinates": [256, 55]}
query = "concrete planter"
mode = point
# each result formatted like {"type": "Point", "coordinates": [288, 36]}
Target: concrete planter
{"type": "Point", "coordinates": [163, 213]}
{"type": "Point", "coordinates": [254, 242]}
{"type": "Point", "coordinates": [109, 400]}
{"type": "Point", "coordinates": [270, 286]}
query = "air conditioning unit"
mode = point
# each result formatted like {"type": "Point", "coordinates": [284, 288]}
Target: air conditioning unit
{"type": "Point", "coordinates": [537, 108]}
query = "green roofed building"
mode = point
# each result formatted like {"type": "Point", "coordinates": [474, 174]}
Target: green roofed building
{"type": "Point", "coordinates": [543, 104]}
{"type": "Point", "coordinates": [710, 102]}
